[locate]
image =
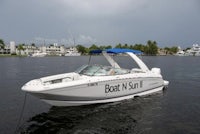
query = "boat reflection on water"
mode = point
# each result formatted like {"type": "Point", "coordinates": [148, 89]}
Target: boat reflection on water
{"type": "Point", "coordinates": [127, 116]}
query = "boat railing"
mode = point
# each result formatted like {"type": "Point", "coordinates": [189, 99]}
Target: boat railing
{"type": "Point", "coordinates": [59, 78]}
{"type": "Point", "coordinates": [55, 81]}
{"type": "Point", "coordinates": [137, 70]}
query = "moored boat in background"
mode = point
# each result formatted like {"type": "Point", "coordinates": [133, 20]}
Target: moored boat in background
{"type": "Point", "coordinates": [39, 54]}
{"type": "Point", "coordinates": [194, 51]}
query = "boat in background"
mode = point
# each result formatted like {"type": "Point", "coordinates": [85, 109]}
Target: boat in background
{"type": "Point", "coordinates": [39, 54]}
{"type": "Point", "coordinates": [180, 52]}
{"type": "Point", "coordinates": [92, 84]}
{"type": "Point", "coordinates": [72, 52]}
{"type": "Point", "coordinates": [194, 51]}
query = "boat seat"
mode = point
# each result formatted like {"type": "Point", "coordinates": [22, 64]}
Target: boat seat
{"type": "Point", "coordinates": [112, 72]}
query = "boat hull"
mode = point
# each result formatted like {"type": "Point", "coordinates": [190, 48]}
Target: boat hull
{"type": "Point", "coordinates": [82, 102]}
{"type": "Point", "coordinates": [100, 92]}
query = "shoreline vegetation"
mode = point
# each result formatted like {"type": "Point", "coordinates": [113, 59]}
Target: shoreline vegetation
{"type": "Point", "coordinates": [149, 49]}
{"type": "Point", "coordinates": [23, 56]}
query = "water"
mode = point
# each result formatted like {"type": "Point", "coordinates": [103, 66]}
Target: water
{"type": "Point", "coordinates": [175, 110]}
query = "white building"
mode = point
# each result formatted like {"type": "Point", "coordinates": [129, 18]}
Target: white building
{"type": "Point", "coordinates": [5, 50]}
{"type": "Point", "coordinates": [53, 49]}
{"type": "Point", "coordinates": [12, 47]}
{"type": "Point", "coordinates": [27, 50]}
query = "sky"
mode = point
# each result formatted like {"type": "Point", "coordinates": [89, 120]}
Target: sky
{"type": "Point", "coordinates": [101, 22]}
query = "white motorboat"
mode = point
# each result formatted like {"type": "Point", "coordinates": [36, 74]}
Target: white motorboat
{"type": "Point", "coordinates": [39, 54]}
{"type": "Point", "coordinates": [180, 52]}
{"type": "Point", "coordinates": [72, 52]}
{"type": "Point", "coordinates": [92, 84]}
{"type": "Point", "coordinates": [194, 51]}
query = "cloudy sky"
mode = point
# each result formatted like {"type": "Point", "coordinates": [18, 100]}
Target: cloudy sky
{"type": "Point", "coordinates": [107, 22]}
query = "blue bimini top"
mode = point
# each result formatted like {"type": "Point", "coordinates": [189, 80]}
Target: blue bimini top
{"type": "Point", "coordinates": [116, 51]}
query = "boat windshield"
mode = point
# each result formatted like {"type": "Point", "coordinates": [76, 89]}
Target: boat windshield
{"type": "Point", "coordinates": [99, 70]}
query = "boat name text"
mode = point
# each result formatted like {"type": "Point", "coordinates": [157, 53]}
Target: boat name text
{"type": "Point", "coordinates": [123, 86]}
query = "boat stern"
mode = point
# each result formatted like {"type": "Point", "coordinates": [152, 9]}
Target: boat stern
{"type": "Point", "coordinates": [166, 83]}
{"type": "Point", "coordinates": [158, 72]}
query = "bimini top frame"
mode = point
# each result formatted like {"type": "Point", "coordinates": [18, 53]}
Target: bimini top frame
{"type": "Point", "coordinates": [130, 52]}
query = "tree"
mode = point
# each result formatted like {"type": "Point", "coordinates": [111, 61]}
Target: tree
{"type": "Point", "coordinates": [2, 44]}
{"type": "Point", "coordinates": [152, 48]}
{"type": "Point", "coordinates": [138, 47]}
{"type": "Point", "coordinates": [20, 47]}
{"type": "Point", "coordinates": [108, 47]}
{"type": "Point", "coordinates": [94, 47]}
{"type": "Point", "coordinates": [33, 44]}
{"type": "Point", "coordinates": [118, 46]}
{"type": "Point", "coordinates": [125, 46]}
{"type": "Point", "coordinates": [171, 50]}
{"type": "Point", "coordinates": [81, 49]}
{"type": "Point", "coordinates": [167, 48]}
{"type": "Point", "coordinates": [174, 49]}
{"type": "Point", "coordinates": [105, 47]}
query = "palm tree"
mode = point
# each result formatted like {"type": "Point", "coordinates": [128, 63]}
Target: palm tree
{"type": "Point", "coordinates": [152, 48]}
{"type": "Point", "coordinates": [118, 45]}
{"type": "Point", "coordinates": [2, 45]}
{"type": "Point", "coordinates": [94, 47]}
{"type": "Point", "coordinates": [20, 48]}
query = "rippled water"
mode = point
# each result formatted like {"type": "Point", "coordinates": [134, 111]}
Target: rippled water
{"type": "Point", "coordinates": [175, 110]}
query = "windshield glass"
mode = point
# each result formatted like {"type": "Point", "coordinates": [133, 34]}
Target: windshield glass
{"type": "Point", "coordinates": [81, 68]}
{"type": "Point", "coordinates": [89, 70]}
{"type": "Point", "coordinates": [99, 70]}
